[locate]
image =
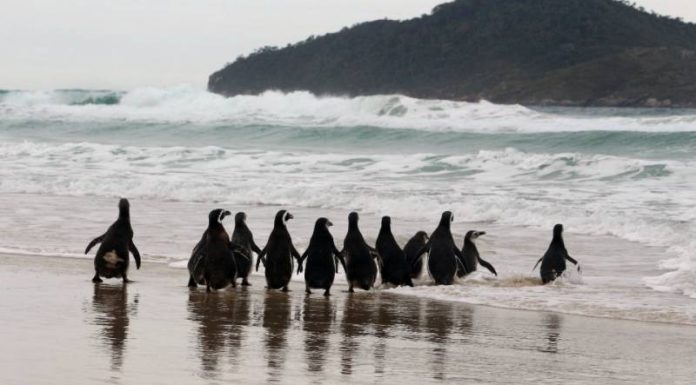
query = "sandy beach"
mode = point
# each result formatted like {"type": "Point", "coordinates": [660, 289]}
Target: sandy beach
{"type": "Point", "coordinates": [58, 325]}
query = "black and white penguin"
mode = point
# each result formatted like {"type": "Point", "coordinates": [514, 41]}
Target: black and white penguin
{"type": "Point", "coordinates": [361, 269]}
{"type": "Point", "coordinates": [111, 260]}
{"type": "Point", "coordinates": [322, 259]}
{"type": "Point", "coordinates": [470, 255]}
{"type": "Point", "coordinates": [277, 256]}
{"type": "Point", "coordinates": [243, 238]}
{"type": "Point", "coordinates": [444, 258]}
{"type": "Point", "coordinates": [393, 265]}
{"type": "Point", "coordinates": [212, 261]}
{"type": "Point", "coordinates": [413, 246]}
{"type": "Point", "coordinates": [553, 262]}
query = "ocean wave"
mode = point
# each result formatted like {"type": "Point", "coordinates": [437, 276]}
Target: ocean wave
{"type": "Point", "coordinates": [184, 104]}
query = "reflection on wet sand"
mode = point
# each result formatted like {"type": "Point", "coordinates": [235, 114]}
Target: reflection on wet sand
{"type": "Point", "coordinates": [355, 322]}
{"type": "Point", "coordinates": [317, 316]}
{"type": "Point", "coordinates": [553, 325]}
{"type": "Point", "coordinates": [111, 313]}
{"type": "Point", "coordinates": [221, 318]}
{"type": "Point", "coordinates": [276, 321]}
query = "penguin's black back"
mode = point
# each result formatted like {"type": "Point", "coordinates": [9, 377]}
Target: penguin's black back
{"type": "Point", "coordinates": [220, 266]}
{"type": "Point", "coordinates": [394, 267]}
{"type": "Point", "coordinates": [553, 263]}
{"type": "Point", "coordinates": [279, 261]}
{"type": "Point", "coordinates": [442, 259]}
{"type": "Point", "coordinates": [361, 269]}
{"type": "Point", "coordinates": [243, 238]}
{"type": "Point", "coordinates": [320, 269]}
{"type": "Point", "coordinates": [116, 240]}
{"type": "Point", "coordinates": [413, 246]}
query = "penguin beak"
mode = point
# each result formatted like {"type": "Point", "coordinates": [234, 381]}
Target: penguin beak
{"type": "Point", "coordinates": [328, 223]}
{"type": "Point", "coordinates": [225, 213]}
{"type": "Point", "coordinates": [480, 233]}
{"type": "Point", "coordinates": [290, 216]}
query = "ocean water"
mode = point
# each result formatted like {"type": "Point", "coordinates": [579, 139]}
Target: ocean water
{"type": "Point", "coordinates": [622, 181]}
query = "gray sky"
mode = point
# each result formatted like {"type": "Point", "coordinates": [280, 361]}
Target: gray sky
{"type": "Point", "coordinates": [122, 44]}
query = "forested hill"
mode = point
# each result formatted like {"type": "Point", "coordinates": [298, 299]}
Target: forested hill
{"type": "Point", "coordinates": [532, 52]}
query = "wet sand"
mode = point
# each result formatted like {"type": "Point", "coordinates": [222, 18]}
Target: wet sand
{"type": "Point", "coordinates": [58, 326]}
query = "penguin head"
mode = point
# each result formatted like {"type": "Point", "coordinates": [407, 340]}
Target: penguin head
{"type": "Point", "coordinates": [558, 230]}
{"type": "Point", "coordinates": [123, 207]}
{"type": "Point", "coordinates": [473, 235]}
{"type": "Point", "coordinates": [353, 219]}
{"type": "Point", "coordinates": [386, 221]}
{"type": "Point", "coordinates": [322, 223]}
{"type": "Point", "coordinates": [422, 236]}
{"type": "Point", "coordinates": [240, 217]}
{"type": "Point", "coordinates": [446, 219]}
{"type": "Point", "coordinates": [282, 217]}
{"type": "Point", "coordinates": [216, 216]}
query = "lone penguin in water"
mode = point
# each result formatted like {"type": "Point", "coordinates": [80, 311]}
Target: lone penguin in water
{"type": "Point", "coordinates": [277, 256]}
{"type": "Point", "coordinates": [411, 250]}
{"type": "Point", "coordinates": [111, 260]}
{"type": "Point", "coordinates": [393, 265]}
{"type": "Point", "coordinates": [361, 269]}
{"type": "Point", "coordinates": [322, 259]}
{"type": "Point", "coordinates": [470, 255]}
{"type": "Point", "coordinates": [243, 238]}
{"type": "Point", "coordinates": [213, 259]}
{"type": "Point", "coordinates": [444, 258]}
{"type": "Point", "coordinates": [553, 263]}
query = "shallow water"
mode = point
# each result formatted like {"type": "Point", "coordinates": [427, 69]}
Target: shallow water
{"type": "Point", "coordinates": [156, 331]}
{"type": "Point", "coordinates": [620, 180]}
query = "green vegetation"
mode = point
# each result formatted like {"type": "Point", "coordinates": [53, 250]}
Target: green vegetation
{"type": "Point", "coordinates": [534, 52]}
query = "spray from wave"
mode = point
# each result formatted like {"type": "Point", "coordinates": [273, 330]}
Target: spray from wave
{"type": "Point", "coordinates": [184, 104]}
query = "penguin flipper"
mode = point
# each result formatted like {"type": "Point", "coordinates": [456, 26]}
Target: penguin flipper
{"type": "Point", "coordinates": [300, 260]}
{"type": "Point", "coordinates": [568, 257]}
{"type": "Point", "coordinates": [487, 266]}
{"type": "Point", "coordinates": [261, 259]}
{"type": "Point", "coordinates": [537, 264]}
{"type": "Point", "coordinates": [135, 252]}
{"type": "Point", "coordinates": [96, 240]}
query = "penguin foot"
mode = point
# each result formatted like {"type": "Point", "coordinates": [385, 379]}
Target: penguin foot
{"type": "Point", "coordinates": [326, 293]}
{"type": "Point", "coordinates": [192, 284]}
{"type": "Point", "coordinates": [285, 289]}
{"type": "Point", "coordinates": [245, 282]}
{"type": "Point", "coordinates": [350, 289]}
{"type": "Point", "coordinates": [96, 279]}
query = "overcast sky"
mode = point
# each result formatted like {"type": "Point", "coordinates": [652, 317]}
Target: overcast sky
{"type": "Point", "coordinates": [122, 44]}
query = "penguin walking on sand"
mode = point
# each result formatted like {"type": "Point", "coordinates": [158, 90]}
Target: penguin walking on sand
{"type": "Point", "coordinates": [322, 259]}
{"type": "Point", "coordinates": [553, 263]}
{"type": "Point", "coordinates": [111, 260]}
{"type": "Point", "coordinates": [413, 246]}
{"type": "Point", "coordinates": [242, 237]}
{"type": "Point", "coordinates": [393, 265]}
{"type": "Point", "coordinates": [361, 269]}
{"type": "Point", "coordinates": [213, 259]}
{"type": "Point", "coordinates": [470, 255]}
{"type": "Point", "coordinates": [277, 256]}
{"type": "Point", "coordinates": [444, 258]}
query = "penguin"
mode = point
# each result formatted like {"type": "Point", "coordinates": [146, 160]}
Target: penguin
{"type": "Point", "coordinates": [212, 261]}
{"type": "Point", "coordinates": [413, 246]}
{"type": "Point", "coordinates": [444, 258]}
{"type": "Point", "coordinates": [243, 237]}
{"type": "Point", "coordinates": [361, 269]}
{"type": "Point", "coordinates": [471, 257]}
{"type": "Point", "coordinates": [111, 260]}
{"type": "Point", "coordinates": [277, 256]}
{"type": "Point", "coordinates": [393, 265]}
{"type": "Point", "coordinates": [322, 259]}
{"type": "Point", "coordinates": [553, 263]}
